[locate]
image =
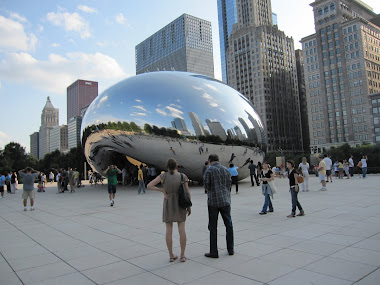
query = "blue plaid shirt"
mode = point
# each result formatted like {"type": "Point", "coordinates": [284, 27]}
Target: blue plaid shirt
{"type": "Point", "coordinates": [217, 182]}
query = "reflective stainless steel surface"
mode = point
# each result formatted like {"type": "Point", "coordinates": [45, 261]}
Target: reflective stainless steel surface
{"type": "Point", "coordinates": [155, 116]}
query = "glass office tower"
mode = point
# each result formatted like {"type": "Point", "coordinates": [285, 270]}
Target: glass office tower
{"type": "Point", "coordinates": [227, 17]}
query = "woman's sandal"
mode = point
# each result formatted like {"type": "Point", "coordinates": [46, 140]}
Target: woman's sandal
{"type": "Point", "coordinates": [172, 259]}
{"type": "Point", "coordinates": [183, 259]}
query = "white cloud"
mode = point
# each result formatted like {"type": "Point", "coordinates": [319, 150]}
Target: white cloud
{"type": "Point", "coordinates": [55, 44]}
{"type": "Point", "coordinates": [70, 22]}
{"type": "Point", "coordinates": [210, 100]}
{"type": "Point", "coordinates": [102, 101]}
{"type": "Point", "coordinates": [212, 87]}
{"type": "Point", "coordinates": [13, 36]}
{"type": "Point", "coordinates": [138, 114]}
{"type": "Point", "coordinates": [59, 71]}
{"type": "Point", "coordinates": [19, 18]}
{"type": "Point", "coordinates": [138, 100]}
{"type": "Point", "coordinates": [0, 84]}
{"type": "Point", "coordinates": [141, 108]}
{"type": "Point", "coordinates": [4, 139]}
{"type": "Point", "coordinates": [174, 112]}
{"type": "Point", "coordinates": [122, 20]}
{"type": "Point", "coordinates": [87, 9]}
{"type": "Point", "coordinates": [161, 112]}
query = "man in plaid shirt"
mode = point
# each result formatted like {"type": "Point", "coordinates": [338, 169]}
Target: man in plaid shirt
{"type": "Point", "coordinates": [217, 183]}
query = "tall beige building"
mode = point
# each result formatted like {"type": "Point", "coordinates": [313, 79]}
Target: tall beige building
{"type": "Point", "coordinates": [49, 119]}
{"type": "Point", "coordinates": [261, 65]}
{"type": "Point", "coordinates": [342, 68]}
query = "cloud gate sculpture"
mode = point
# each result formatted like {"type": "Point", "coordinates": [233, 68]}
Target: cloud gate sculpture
{"type": "Point", "coordinates": [155, 116]}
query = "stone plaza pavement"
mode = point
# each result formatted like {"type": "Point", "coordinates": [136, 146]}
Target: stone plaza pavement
{"type": "Point", "coordinates": [77, 238]}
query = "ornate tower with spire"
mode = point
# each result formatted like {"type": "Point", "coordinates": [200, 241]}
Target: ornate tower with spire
{"type": "Point", "coordinates": [49, 119]}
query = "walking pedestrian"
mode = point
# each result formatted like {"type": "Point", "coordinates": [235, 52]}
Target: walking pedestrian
{"type": "Point", "coordinates": [304, 165]}
{"type": "Point", "coordinates": [8, 182]}
{"type": "Point", "coordinates": [51, 177]}
{"type": "Point", "coordinates": [346, 167]}
{"type": "Point", "coordinates": [294, 188]}
{"type": "Point", "coordinates": [266, 175]}
{"type": "Point", "coordinates": [71, 179]}
{"type": "Point", "coordinates": [140, 177]}
{"type": "Point", "coordinates": [172, 212]}
{"type": "Point", "coordinates": [217, 182]}
{"type": "Point", "coordinates": [234, 176]}
{"type": "Point", "coordinates": [252, 172]}
{"type": "Point", "coordinates": [322, 172]}
{"type": "Point", "coordinates": [111, 173]}
{"type": "Point", "coordinates": [28, 176]}
{"type": "Point", "coordinates": [76, 178]}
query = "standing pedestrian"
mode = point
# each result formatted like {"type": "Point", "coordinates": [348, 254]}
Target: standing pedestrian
{"type": "Point", "coordinates": [111, 173]}
{"type": "Point", "coordinates": [364, 161]}
{"type": "Point", "coordinates": [304, 165]}
{"type": "Point", "coordinates": [346, 167]}
{"type": "Point", "coordinates": [328, 168]}
{"type": "Point", "coordinates": [2, 183]}
{"type": "Point", "coordinates": [51, 177]}
{"type": "Point", "coordinates": [76, 178]}
{"type": "Point", "coordinates": [322, 172]}
{"type": "Point", "coordinates": [266, 175]}
{"type": "Point", "coordinates": [217, 182]}
{"type": "Point", "coordinates": [172, 212]}
{"type": "Point", "coordinates": [234, 177]}
{"type": "Point", "coordinates": [71, 179]}
{"type": "Point", "coordinates": [28, 175]}
{"type": "Point", "coordinates": [252, 172]}
{"type": "Point", "coordinates": [8, 182]}
{"type": "Point", "coordinates": [293, 183]}
{"type": "Point", "coordinates": [123, 175]}
{"type": "Point", "coordinates": [351, 165]}
{"type": "Point", "coordinates": [140, 177]}
{"type": "Point", "coordinates": [13, 182]}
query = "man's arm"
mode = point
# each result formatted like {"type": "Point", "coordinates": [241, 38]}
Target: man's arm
{"type": "Point", "coordinates": [105, 171]}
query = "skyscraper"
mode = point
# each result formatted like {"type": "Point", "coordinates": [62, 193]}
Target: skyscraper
{"type": "Point", "coordinates": [183, 45]}
{"type": "Point", "coordinates": [180, 125]}
{"type": "Point", "coordinates": [80, 94]}
{"type": "Point", "coordinates": [197, 124]}
{"type": "Point", "coordinates": [73, 132]}
{"type": "Point", "coordinates": [49, 119]}
{"type": "Point", "coordinates": [341, 64]}
{"type": "Point", "coordinates": [303, 100]}
{"type": "Point", "coordinates": [216, 129]}
{"type": "Point", "coordinates": [58, 138]}
{"type": "Point", "coordinates": [227, 17]}
{"type": "Point", "coordinates": [261, 65]}
{"type": "Point", "coordinates": [34, 145]}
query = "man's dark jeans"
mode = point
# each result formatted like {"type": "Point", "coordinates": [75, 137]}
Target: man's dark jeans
{"type": "Point", "coordinates": [213, 213]}
{"type": "Point", "coordinates": [257, 180]}
{"type": "Point", "coordinates": [295, 203]}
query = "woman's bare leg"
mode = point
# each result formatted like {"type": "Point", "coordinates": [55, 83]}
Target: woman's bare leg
{"type": "Point", "coordinates": [169, 238]}
{"type": "Point", "coordinates": [182, 237]}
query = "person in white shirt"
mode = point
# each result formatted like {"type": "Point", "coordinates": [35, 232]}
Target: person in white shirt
{"type": "Point", "coordinates": [304, 165]}
{"type": "Point", "coordinates": [329, 164]}
{"type": "Point", "coordinates": [364, 165]}
{"type": "Point", "coordinates": [351, 165]}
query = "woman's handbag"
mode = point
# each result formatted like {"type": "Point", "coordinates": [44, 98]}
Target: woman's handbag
{"type": "Point", "coordinates": [183, 199]}
{"type": "Point", "coordinates": [300, 179]}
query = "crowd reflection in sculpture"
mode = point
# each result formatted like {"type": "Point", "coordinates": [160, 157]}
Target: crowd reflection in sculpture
{"type": "Point", "coordinates": [154, 116]}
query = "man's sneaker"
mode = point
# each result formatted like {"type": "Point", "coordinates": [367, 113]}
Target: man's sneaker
{"type": "Point", "coordinates": [111, 203]}
{"type": "Point", "coordinates": [25, 209]}
{"type": "Point", "coordinates": [32, 209]}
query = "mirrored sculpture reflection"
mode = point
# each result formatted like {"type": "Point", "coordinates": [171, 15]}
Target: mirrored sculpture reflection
{"type": "Point", "coordinates": [155, 116]}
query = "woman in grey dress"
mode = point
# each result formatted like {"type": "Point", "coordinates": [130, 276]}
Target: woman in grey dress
{"type": "Point", "coordinates": [172, 212]}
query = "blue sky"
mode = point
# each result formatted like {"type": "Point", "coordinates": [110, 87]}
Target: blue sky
{"type": "Point", "coordinates": [45, 45]}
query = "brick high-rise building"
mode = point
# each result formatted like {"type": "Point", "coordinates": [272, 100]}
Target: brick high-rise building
{"type": "Point", "coordinates": [342, 69]}
{"type": "Point", "coordinates": [261, 64]}
{"type": "Point", "coordinates": [80, 94]}
{"type": "Point", "coordinates": [183, 45]}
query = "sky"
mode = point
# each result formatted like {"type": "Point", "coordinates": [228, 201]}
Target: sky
{"type": "Point", "coordinates": [45, 45]}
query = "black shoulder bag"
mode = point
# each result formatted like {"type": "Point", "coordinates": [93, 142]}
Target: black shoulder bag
{"type": "Point", "coordinates": [183, 199]}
